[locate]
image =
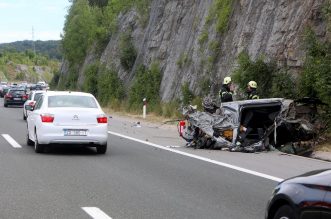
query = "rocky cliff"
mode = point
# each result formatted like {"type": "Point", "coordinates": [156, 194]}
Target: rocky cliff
{"type": "Point", "coordinates": [183, 37]}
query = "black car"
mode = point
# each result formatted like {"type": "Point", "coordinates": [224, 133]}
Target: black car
{"type": "Point", "coordinates": [15, 96]}
{"type": "Point", "coordinates": [303, 197]}
{"type": "Point", "coordinates": [3, 90]}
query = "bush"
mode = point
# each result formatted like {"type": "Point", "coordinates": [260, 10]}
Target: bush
{"type": "Point", "coordinates": [91, 79]}
{"type": "Point", "coordinates": [284, 85]}
{"type": "Point", "coordinates": [316, 78]}
{"type": "Point", "coordinates": [183, 60]}
{"type": "Point", "coordinates": [128, 53]}
{"type": "Point", "coordinates": [146, 85]}
{"type": "Point", "coordinates": [187, 94]}
{"type": "Point", "coordinates": [221, 11]}
{"type": "Point", "coordinates": [259, 71]}
{"type": "Point", "coordinates": [110, 87]}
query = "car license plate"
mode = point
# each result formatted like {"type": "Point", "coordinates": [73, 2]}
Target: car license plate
{"type": "Point", "coordinates": [17, 98]}
{"type": "Point", "coordinates": [75, 132]}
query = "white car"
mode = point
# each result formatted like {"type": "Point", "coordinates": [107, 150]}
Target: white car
{"type": "Point", "coordinates": [61, 117]}
{"type": "Point", "coordinates": [33, 97]}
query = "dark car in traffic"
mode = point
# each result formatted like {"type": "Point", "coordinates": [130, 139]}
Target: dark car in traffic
{"type": "Point", "coordinates": [307, 196]}
{"type": "Point", "coordinates": [15, 96]}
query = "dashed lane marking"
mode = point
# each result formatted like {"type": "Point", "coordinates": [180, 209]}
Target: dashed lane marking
{"type": "Point", "coordinates": [96, 213]}
{"type": "Point", "coordinates": [244, 170]}
{"type": "Point", "coordinates": [11, 141]}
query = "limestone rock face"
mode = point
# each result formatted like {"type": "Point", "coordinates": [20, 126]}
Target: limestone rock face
{"type": "Point", "coordinates": [172, 37]}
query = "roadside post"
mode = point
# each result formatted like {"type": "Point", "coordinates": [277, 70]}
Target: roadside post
{"type": "Point", "coordinates": [144, 107]}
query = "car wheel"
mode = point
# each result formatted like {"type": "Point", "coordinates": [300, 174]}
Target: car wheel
{"type": "Point", "coordinates": [5, 105]}
{"type": "Point", "coordinates": [29, 142]}
{"type": "Point", "coordinates": [38, 148]}
{"type": "Point", "coordinates": [24, 117]}
{"type": "Point", "coordinates": [284, 212]}
{"type": "Point", "coordinates": [101, 149]}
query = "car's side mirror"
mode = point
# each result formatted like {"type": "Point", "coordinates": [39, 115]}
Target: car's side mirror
{"type": "Point", "coordinates": [29, 107]}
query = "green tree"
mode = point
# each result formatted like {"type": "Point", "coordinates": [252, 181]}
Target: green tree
{"type": "Point", "coordinates": [260, 71]}
{"type": "Point", "coordinates": [316, 77]}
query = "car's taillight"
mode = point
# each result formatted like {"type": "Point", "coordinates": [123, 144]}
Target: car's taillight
{"type": "Point", "coordinates": [32, 103]}
{"type": "Point", "coordinates": [49, 118]}
{"type": "Point", "coordinates": [102, 119]}
{"type": "Point", "coordinates": [7, 96]}
{"type": "Point", "coordinates": [25, 97]}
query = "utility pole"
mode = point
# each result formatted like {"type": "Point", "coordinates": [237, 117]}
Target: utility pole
{"type": "Point", "coordinates": [33, 43]}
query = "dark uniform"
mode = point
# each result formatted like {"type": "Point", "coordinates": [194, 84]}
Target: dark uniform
{"type": "Point", "coordinates": [253, 95]}
{"type": "Point", "coordinates": [226, 94]}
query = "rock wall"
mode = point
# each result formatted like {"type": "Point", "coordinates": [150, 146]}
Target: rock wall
{"type": "Point", "coordinates": [270, 28]}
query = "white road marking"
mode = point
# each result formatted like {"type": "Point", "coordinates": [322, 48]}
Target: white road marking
{"type": "Point", "coordinates": [96, 213]}
{"type": "Point", "coordinates": [11, 141]}
{"type": "Point", "coordinates": [201, 158]}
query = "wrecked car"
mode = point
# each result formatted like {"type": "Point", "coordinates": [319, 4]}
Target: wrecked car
{"type": "Point", "coordinates": [254, 125]}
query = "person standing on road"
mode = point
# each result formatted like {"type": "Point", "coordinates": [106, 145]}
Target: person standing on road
{"type": "Point", "coordinates": [226, 92]}
{"type": "Point", "coordinates": [251, 91]}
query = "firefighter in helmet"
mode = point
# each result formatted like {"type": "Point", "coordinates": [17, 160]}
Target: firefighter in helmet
{"type": "Point", "coordinates": [251, 91]}
{"type": "Point", "coordinates": [226, 91]}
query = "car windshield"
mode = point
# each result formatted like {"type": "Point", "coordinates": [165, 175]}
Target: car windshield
{"type": "Point", "coordinates": [17, 92]}
{"type": "Point", "coordinates": [36, 96]}
{"type": "Point", "coordinates": [71, 101]}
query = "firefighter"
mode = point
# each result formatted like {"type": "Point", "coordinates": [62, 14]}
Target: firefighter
{"type": "Point", "coordinates": [226, 91]}
{"type": "Point", "coordinates": [251, 91]}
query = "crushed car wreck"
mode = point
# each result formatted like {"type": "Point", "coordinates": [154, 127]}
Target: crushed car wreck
{"type": "Point", "coordinates": [253, 125]}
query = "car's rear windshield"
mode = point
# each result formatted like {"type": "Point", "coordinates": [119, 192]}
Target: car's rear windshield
{"type": "Point", "coordinates": [17, 91]}
{"type": "Point", "coordinates": [71, 101]}
{"type": "Point", "coordinates": [36, 96]}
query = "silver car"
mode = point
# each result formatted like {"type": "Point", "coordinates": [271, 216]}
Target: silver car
{"type": "Point", "coordinates": [33, 97]}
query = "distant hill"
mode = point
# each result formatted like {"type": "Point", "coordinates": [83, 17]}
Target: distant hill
{"type": "Point", "coordinates": [50, 48]}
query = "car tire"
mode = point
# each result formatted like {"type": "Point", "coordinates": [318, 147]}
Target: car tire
{"type": "Point", "coordinates": [29, 142]}
{"type": "Point", "coordinates": [24, 117]}
{"type": "Point", "coordinates": [38, 148]}
{"type": "Point", "coordinates": [284, 212]}
{"type": "Point", "coordinates": [101, 149]}
{"type": "Point", "coordinates": [5, 105]}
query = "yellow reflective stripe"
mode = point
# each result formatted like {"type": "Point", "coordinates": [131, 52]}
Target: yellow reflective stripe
{"type": "Point", "coordinates": [255, 97]}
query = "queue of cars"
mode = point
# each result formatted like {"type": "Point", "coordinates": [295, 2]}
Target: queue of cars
{"type": "Point", "coordinates": [60, 117]}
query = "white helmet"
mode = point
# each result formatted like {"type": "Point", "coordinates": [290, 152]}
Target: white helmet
{"type": "Point", "coordinates": [227, 80]}
{"type": "Point", "coordinates": [252, 84]}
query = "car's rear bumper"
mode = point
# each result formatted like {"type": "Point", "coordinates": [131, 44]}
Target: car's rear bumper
{"type": "Point", "coordinates": [50, 134]}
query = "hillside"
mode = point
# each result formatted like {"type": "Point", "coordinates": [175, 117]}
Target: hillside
{"type": "Point", "coordinates": [50, 48]}
{"type": "Point", "coordinates": [167, 50]}
{"type": "Point", "coordinates": [19, 66]}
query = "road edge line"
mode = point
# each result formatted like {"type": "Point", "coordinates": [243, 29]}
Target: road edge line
{"type": "Point", "coordinates": [244, 170]}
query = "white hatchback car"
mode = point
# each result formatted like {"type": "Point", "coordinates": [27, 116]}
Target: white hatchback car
{"type": "Point", "coordinates": [61, 117]}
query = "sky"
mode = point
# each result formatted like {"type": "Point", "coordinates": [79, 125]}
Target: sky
{"type": "Point", "coordinates": [18, 17]}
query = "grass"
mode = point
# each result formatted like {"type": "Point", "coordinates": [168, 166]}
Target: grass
{"type": "Point", "coordinates": [325, 145]}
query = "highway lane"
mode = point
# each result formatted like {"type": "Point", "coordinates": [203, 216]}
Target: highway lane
{"type": "Point", "coordinates": [131, 181]}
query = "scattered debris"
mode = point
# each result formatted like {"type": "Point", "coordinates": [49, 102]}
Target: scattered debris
{"type": "Point", "coordinates": [136, 125]}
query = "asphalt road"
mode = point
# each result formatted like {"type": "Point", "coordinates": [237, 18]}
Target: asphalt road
{"type": "Point", "coordinates": [133, 180]}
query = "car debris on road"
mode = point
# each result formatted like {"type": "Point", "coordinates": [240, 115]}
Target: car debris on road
{"type": "Point", "coordinates": [291, 126]}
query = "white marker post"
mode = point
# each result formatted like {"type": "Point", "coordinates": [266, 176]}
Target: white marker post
{"type": "Point", "coordinates": [144, 108]}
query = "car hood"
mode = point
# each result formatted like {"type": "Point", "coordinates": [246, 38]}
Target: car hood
{"type": "Point", "coordinates": [317, 178]}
